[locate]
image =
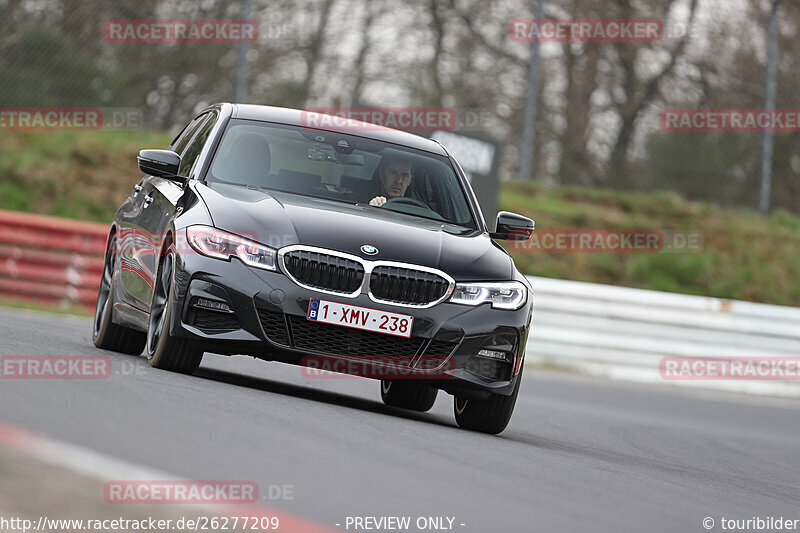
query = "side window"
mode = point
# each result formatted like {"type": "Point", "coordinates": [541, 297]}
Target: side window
{"type": "Point", "coordinates": [179, 144]}
{"type": "Point", "coordinates": [196, 145]}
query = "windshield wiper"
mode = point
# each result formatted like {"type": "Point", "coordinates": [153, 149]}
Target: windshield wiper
{"type": "Point", "coordinates": [306, 195]}
{"type": "Point", "coordinates": [440, 219]}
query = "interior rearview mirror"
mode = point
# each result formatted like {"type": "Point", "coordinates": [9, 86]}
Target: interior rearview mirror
{"type": "Point", "coordinates": [160, 163]}
{"type": "Point", "coordinates": [513, 227]}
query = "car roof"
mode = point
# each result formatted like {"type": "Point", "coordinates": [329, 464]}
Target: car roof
{"type": "Point", "coordinates": [295, 117]}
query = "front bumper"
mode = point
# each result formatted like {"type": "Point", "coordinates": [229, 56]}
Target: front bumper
{"type": "Point", "coordinates": [266, 318]}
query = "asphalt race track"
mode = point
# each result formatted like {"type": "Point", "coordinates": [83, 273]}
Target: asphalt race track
{"type": "Point", "coordinates": [579, 455]}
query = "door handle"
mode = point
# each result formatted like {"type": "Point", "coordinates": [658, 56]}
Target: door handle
{"type": "Point", "coordinates": [147, 201]}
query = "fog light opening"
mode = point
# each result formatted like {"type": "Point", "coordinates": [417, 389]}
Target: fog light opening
{"type": "Point", "coordinates": [212, 305]}
{"type": "Point", "coordinates": [493, 354]}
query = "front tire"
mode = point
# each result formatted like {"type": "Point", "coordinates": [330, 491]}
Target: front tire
{"type": "Point", "coordinates": [408, 395]}
{"type": "Point", "coordinates": [486, 416]}
{"type": "Point", "coordinates": [163, 350]}
{"type": "Point", "coordinates": [105, 334]}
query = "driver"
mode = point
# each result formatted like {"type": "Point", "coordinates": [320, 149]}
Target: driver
{"type": "Point", "coordinates": [395, 176]}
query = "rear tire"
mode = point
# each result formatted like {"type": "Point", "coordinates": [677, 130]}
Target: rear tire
{"type": "Point", "coordinates": [486, 416]}
{"type": "Point", "coordinates": [105, 334]}
{"type": "Point", "coordinates": [408, 395]}
{"type": "Point", "coordinates": [163, 350]}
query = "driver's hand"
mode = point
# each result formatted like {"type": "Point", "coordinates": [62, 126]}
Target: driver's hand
{"type": "Point", "coordinates": [378, 201]}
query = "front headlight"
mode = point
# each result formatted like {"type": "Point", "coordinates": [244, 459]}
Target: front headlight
{"type": "Point", "coordinates": [220, 244]}
{"type": "Point", "coordinates": [502, 294]}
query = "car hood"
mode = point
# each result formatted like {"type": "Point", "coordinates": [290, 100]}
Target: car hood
{"type": "Point", "coordinates": [280, 219]}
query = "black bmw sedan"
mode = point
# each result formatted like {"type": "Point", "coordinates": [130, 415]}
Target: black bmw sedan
{"type": "Point", "coordinates": [359, 251]}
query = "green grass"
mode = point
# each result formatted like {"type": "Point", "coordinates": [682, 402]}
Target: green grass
{"type": "Point", "coordinates": [73, 310]}
{"type": "Point", "coordinates": [87, 175]}
{"type": "Point", "coordinates": [744, 256]}
{"type": "Point", "coordinates": [73, 174]}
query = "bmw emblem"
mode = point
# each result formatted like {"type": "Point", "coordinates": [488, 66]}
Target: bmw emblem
{"type": "Point", "coordinates": [369, 249]}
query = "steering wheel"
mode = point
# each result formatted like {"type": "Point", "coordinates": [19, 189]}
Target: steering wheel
{"type": "Point", "coordinates": [407, 200]}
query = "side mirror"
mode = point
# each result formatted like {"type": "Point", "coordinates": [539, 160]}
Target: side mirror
{"type": "Point", "coordinates": [513, 227]}
{"type": "Point", "coordinates": [160, 163]}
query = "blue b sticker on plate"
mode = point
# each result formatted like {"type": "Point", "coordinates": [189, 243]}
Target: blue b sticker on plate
{"type": "Point", "coordinates": [313, 309]}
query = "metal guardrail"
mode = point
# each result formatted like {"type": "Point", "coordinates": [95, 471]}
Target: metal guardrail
{"type": "Point", "coordinates": [50, 260]}
{"type": "Point", "coordinates": [624, 333]}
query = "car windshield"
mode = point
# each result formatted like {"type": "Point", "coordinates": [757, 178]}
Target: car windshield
{"type": "Point", "coordinates": [340, 167]}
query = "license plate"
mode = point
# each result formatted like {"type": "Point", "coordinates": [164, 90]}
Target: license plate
{"type": "Point", "coordinates": [354, 316]}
